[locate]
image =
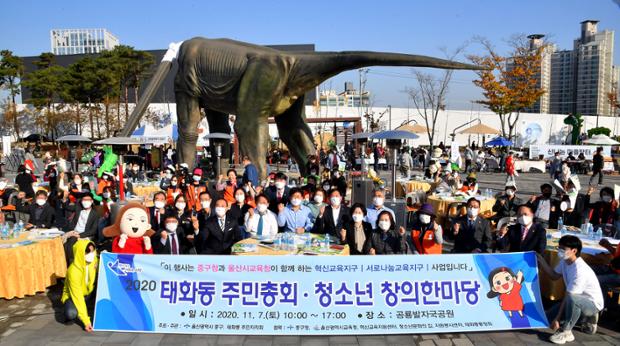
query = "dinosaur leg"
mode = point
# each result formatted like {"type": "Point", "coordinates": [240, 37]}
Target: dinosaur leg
{"type": "Point", "coordinates": [253, 134]}
{"type": "Point", "coordinates": [296, 134]}
{"type": "Point", "coordinates": [218, 123]}
{"type": "Point", "coordinates": [188, 117]}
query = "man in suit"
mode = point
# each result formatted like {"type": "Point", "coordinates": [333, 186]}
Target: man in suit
{"type": "Point", "coordinates": [545, 207]}
{"type": "Point", "coordinates": [86, 219]}
{"type": "Point", "coordinates": [278, 193]}
{"type": "Point", "coordinates": [526, 235]}
{"type": "Point", "coordinates": [332, 218]}
{"type": "Point", "coordinates": [508, 204]}
{"type": "Point", "coordinates": [171, 240]}
{"type": "Point", "coordinates": [219, 233]}
{"type": "Point", "coordinates": [472, 233]}
{"type": "Point", "coordinates": [41, 213]}
{"type": "Point", "coordinates": [157, 213]}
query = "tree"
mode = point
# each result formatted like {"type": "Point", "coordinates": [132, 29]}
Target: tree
{"type": "Point", "coordinates": [11, 71]}
{"type": "Point", "coordinates": [599, 131]}
{"type": "Point", "coordinates": [46, 86]}
{"type": "Point", "coordinates": [509, 84]}
{"type": "Point", "coordinates": [429, 95]}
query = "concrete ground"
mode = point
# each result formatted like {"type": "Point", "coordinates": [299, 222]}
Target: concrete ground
{"type": "Point", "coordinates": [35, 320]}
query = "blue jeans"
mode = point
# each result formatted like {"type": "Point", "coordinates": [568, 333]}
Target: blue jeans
{"type": "Point", "coordinates": [575, 306]}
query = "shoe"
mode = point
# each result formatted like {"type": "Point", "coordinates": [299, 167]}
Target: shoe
{"type": "Point", "coordinates": [561, 337]}
{"type": "Point", "coordinates": [589, 328]}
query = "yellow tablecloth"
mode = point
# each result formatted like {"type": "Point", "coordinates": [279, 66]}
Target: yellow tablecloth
{"type": "Point", "coordinates": [28, 269]}
{"type": "Point", "coordinates": [264, 251]}
{"type": "Point", "coordinates": [441, 206]}
{"type": "Point", "coordinates": [413, 185]}
{"type": "Point", "coordinates": [145, 191]}
{"type": "Point", "coordinates": [554, 290]}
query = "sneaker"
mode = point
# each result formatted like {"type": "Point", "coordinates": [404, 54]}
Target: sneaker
{"type": "Point", "coordinates": [590, 324]}
{"type": "Point", "coordinates": [561, 337]}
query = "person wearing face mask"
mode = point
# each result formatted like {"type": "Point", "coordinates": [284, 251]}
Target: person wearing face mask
{"type": "Point", "coordinates": [339, 182]}
{"type": "Point", "coordinates": [40, 212]}
{"type": "Point", "coordinates": [312, 166]}
{"type": "Point", "coordinates": [526, 235]}
{"type": "Point", "coordinates": [573, 204]}
{"type": "Point", "coordinates": [507, 205]}
{"type": "Point", "coordinates": [194, 190]}
{"type": "Point", "coordinates": [332, 218]}
{"type": "Point", "coordinates": [78, 188]}
{"type": "Point", "coordinates": [316, 202]}
{"type": "Point", "coordinates": [171, 240]}
{"type": "Point", "coordinates": [106, 180]}
{"type": "Point", "coordinates": [356, 232]}
{"type": "Point", "coordinates": [377, 207]}
{"type": "Point", "coordinates": [80, 283]}
{"type": "Point", "coordinates": [295, 217]}
{"type": "Point", "coordinates": [166, 177]}
{"type": "Point", "coordinates": [584, 298]}
{"type": "Point", "coordinates": [183, 213]}
{"type": "Point", "coordinates": [260, 222]}
{"type": "Point", "coordinates": [51, 176]}
{"type": "Point", "coordinates": [545, 208]}
{"type": "Point", "coordinates": [229, 186]}
{"type": "Point", "coordinates": [5, 191]}
{"type": "Point", "coordinates": [173, 190]}
{"type": "Point", "coordinates": [85, 221]}
{"type": "Point", "coordinates": [24, 181]}
{"type": "Point", "coordinates": [310, 183]}
{"type": "Point", "coordinates": [278, 193]}
{"type": "Point", "coordinates": [602, 212]}
{"type": "Point", "coordinates": [219, 233]}
{"type": "Point", "coordinates": [134, 174]}
{"type": "Point", "coordinates": [240, 207]}
{"type": "Point", "coordinates": [158, 212]}
{"type": "Point", "coordinates": [385, 240]}
{"type": "Point", "coordinates": [426, 234]}
{"type": "Point", "coordinates": [472, 233]}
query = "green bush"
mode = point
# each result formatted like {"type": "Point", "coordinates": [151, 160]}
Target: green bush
{"type": "Point", "coordinates": [598, 131]}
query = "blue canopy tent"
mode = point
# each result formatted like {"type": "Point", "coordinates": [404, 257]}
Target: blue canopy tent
{"type": "Point", "coordinates": [498, 142]}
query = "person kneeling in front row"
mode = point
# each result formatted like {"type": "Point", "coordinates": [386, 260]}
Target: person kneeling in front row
{"type": "Point", "coordinates": [583, 298]}
{"type": "Point", "coordinates": [80, 283]}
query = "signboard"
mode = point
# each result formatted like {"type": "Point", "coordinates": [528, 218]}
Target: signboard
{"type": "Point", "coordinates": [318, 295]}
{"type": "Point", "coordinates": [549, 150]}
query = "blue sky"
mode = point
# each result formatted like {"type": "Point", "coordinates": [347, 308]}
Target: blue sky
{"type": "Point", "coordinates": [416, 27]}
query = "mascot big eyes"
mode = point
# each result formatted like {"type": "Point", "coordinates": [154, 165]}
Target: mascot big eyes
{"type": "Point", "coordinates": [131, 230]}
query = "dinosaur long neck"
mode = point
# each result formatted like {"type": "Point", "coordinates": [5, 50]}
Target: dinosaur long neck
{"type": "Point", "coordinates": [310, 69]}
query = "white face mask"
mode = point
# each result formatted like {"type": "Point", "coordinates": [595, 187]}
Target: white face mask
{"type": "Point", "coordinates": [318, 199]}
{"type": "Point", "coordinates": [296, 202]}
{"type": "Point", "coordinates": [262, 208]}
{"type": "Point", "coordinates": [205, 204]}
{"type": "Point", "coordinates": [563, 206]}
{"type": "Point", "coordinates": [168, 176]}
{"type": "Point", "coordinates": [77, 182]}
{"type": "Point", "coordinates": [2, 185]}
{"type": "Point", "coordinates": [335, 201]}
{"type": "Point", "coordinates": [160, 204]}
{"type": "Point", "coordinates": [561, 254]}
{"type": "Point", "coordinates": [27, 171]}
{"type": "Point", "coordinates": [40, 202]}
{"type": "Point", "coordinates": [172, 226]}
{"type": "Point", "coordinates": [86, 204]}
{"type": "Point", "coordinates": [378, 201]}
{"type": "Point", "coordinates": [90, 257]}
{"type": "Point", "coordinates": [607, 199]}
{"type": "Point", "coordinates": [524, 220]}
{"type": "Point", "coordinates": [425, 219]}
{"type": "Point", "coordinates": [180, 206]}
{"type": "Point", "coordinates": [384, 225]}
{"type": "Point", "coordinates": [220, 211]}
{"type": "Point", "coordinates": [240, 198]}
{"type": "Point", "coordinates": [358, 217]}
{"type": "Point", "coordinates": [106, 195]}
{"type": "Point", "coordinates": [246, 189]}
{"type": "Point", "coordinates": [173, 183]}
{"type": "Point", "coordinates": [472, 212]}
{"type": "Point", "coordinates": [279, 185]}
{"type": "Point", "coordinates": [509, 192]}
{"type": "Point", "coordinates": [196, 178]}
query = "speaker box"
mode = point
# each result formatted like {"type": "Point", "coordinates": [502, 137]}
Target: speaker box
{"type": "Point", "coordinates": [400, 211]}
{"type": "Point", "coordinates": [362, 191]}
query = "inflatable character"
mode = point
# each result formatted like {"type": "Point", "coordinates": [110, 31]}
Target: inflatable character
{"type": "Point", "coordinates": [109, 161]}
{"type": "Point", "coordinates": [131, 230]}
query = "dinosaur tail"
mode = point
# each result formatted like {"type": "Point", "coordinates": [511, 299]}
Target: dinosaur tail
{"type": "Point", "coordinates": [313, 68]}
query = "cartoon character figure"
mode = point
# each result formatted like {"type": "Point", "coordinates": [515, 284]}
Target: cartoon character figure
{"type": "Point", "coordinates": [505, 284]}
{"type": "Point", "coordinates": [131, 230]}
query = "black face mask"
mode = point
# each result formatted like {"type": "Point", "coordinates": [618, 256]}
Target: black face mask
{"type": "Point", "coordinates": [546, 194]}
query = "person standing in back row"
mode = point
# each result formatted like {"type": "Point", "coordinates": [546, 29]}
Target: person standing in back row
{"type": "Point", "coordinates": [597, 166]}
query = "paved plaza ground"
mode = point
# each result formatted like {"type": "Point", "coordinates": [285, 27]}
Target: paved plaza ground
{"type": "Point", "coordinates": [33, 320]}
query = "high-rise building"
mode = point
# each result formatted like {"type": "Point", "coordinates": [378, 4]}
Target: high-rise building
{"type": "Point", "coordinates": [582, 78]}
{"type": "Point", "coordinates": [81, 41]}
{"type": "Point", "coordinates": [543, 77]}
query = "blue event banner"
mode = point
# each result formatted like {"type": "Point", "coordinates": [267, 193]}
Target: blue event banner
{"type": "Point", "coordinates": [318, 295]}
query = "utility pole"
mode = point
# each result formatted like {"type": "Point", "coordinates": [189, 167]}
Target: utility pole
{"type": "Point", "coordinates": [390, 117]}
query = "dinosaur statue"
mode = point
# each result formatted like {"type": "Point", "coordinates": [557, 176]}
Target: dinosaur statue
{"type": "Point", "coordinates": [224, 76]}
{"type": "Point", "coordinates": [576, 121]}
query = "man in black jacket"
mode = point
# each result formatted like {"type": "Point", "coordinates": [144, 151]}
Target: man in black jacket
{"type": "Point", "coordinates": [508, 204]}
{"type": "Point", "coordinates": [525, 235]}
{"type": "Point", "coordinates": [472, 233]}
{"type": "Point", "coordinates": [219, 233]}
{"type": "Point", "coordinates": [171, 240]}
{"type": "Point", "coordinates": [85, 219]}
{"type": "Point", "coordinates": [332, 218]}
{"type": "Point", "coordinates": [41, 213]}
{"type": "Point", "coordinates": [597, 166]}
{"type": "Point", "coordinates": [278, 193]}
{"type": "Point", "coordinates": [157, 212]}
